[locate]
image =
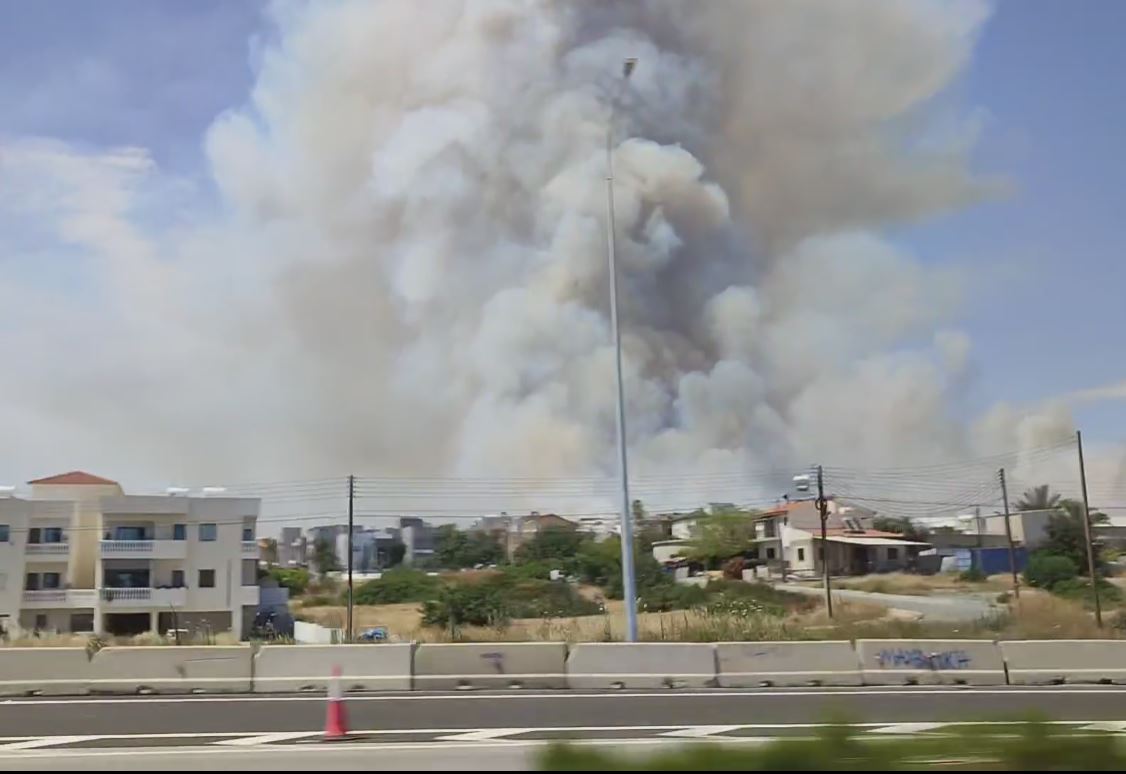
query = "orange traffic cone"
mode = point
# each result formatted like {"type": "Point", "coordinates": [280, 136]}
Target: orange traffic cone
{"type": "Point", "coordinates": [336, 720]}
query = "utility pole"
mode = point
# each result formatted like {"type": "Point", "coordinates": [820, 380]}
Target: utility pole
{"type": "Point", "coordinates": [1009, 535]}
{"type": "Point", "coordinates": [1091, 568]}
{"type": "Point", "coordinates": [823, 507]}
{"type": "Point", "coordinates": [351, 515]}
{"type": "Point", "coordinates": [629, 583]}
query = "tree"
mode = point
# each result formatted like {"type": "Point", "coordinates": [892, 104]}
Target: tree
{"type": "Point", "coordinates": [398, 551]}
{"type": "Point", "coordinates": [295, 579]}
{"type": "Point", "coordinates": [901, 525]}
{"type": "Point", "coordinates": [1066, 534]}
{"type": "Point", "coordinates": [1039, 498]}
{"type": "Point", "coordinates": [324, 556]}
{"type": "Point", "coordinates": [558, 543]}
{"type": "Point", "coordinates": [1045, 570]}
{"type": "Point", "coordinates": [454, 548]}
{"type": "Point", "coordinates": [721, 536]}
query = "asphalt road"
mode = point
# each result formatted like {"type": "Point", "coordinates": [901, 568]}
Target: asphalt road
{"type": "Point", "coordinates": [483, 730]}
{"type": "Point", "coordinates": [948, 607]}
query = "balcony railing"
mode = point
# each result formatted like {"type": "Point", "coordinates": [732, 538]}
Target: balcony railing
{"type": "Point", "coordinates": [59, 597]}
{"type": "Point", "coordinates": [135, 594]}
{"type": "Point", "coordinates": [250, 548]}
{"type": "Point", "coordinates": [148, 549]}
{"type": "Point", "coordinates": [128, 547]}
{"type": "Point", "coordinates": [47, 549]}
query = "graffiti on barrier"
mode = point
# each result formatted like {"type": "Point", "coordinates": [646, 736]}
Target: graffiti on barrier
{"type": "Point", "coordinates": [916, 658]}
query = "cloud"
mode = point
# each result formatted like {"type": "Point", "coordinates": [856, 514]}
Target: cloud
{"type": "Point", "coordinates": [406, 274]}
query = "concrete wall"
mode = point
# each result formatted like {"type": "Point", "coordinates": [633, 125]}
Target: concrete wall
{"type": "Point", "coordinates": [931, 662]}
{"type": "Point", "coordinates": [383, 667]}
{"type": "Point", "coordinates": [490, 665]}
{"type": "Point", "coordinates": [753, 664]}
{"type": "Point", "coordinates": [1046, 662]}
{"type": "Point", "coordinates": [641, 665]}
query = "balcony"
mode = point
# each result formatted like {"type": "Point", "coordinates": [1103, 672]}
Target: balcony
{"type": "Point", "coordinates": [47, 549]}
{"type": "Point", "coordinates": [59, 598]}
{"type": "Point", "coordinates": [143, 597]}
{"type": "Point", "coordinates": [144, 549]}
{"type": "Point", "coordinates": [250, 548]}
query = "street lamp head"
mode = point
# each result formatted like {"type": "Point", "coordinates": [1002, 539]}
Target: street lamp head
{"type": "Point", "coordinates": [628, 65]}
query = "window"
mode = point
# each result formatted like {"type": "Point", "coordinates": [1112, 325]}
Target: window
{"type": "Point", "coordinates": [4, 533]}
{"type": "Point", "coordinates": [893, 554]}
{"type": "Point", "coordinates": [53, 535]}
{"type": "Point", "coordinates": [248, 533]}
{"type": "Point", "coordinates": [129, 533]}
{"type": "Point", "coordinates": [179, 531]}
{"type": "Point", "coordinates": [177, 579]}
{"type": "Point", "coordinates": [33, 535]}
{"type": "Point", "coordinates": [40, 621]}
{"type": "Point", "coordinates": [207, 532]}
{"type": "Point", "coordinates": [51, 580]}
{"type": "Point", "coordinates": [801, 554]}
{"type": "Point", "coordinates": [31, 583]}
{"type": "Point", "coordinates": [207, 579]}
{"type": "Point", "coordinates": [770, 553]}
{"type": "Point", "coordinates": [82, 622]}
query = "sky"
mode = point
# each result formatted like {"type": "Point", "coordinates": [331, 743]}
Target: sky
{"type": "Point", "coordinates": [1041, 86]}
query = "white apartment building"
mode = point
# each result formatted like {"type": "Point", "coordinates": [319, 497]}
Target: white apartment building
{"type": "Point", "coordinates": [80, 555]}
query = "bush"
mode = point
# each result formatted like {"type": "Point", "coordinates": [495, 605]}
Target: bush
{"type": "Point", "coordinates": [1046, 571]}
{"type": "Point", "coordinates": [321, 600]}
{"type": "Point", "coordinates": [1027, 747]}
{"type": "Point", "coordinates": [659, 599]}
{"type": "Point", "coordinates": [296, 579]}
{"type": "Point", "coordinates": [537, 570]}
{"type": "Point", "coordinates": [972, 575]}
{"type": "Point", "coordinates": [401, 585]}
{"type": "Point", "coordinates": [466, 604]}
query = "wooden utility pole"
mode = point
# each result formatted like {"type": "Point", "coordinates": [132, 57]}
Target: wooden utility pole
{"type": "Point", "coordinates": [1009, 535]}
{"type": "Point", "coordinates": [1092, 569]}
{"type": "Point", "coordinates": [823, 508]}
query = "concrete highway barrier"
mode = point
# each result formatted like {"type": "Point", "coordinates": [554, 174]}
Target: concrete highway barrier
{"type": "Point", "coordinates": [753, 664]}
{"type": "Point", "coordinates": [490, 665]}
{"type": "Point", "coordinates": [46, 671]}
{"type": "Point", "coordinates": [382, 667]}
{"type": "Point", "coordinates": [641, 665]}
{"type": "Point", "coordinates": [170, 669]}
{"type": "Point", "coordinates": [1045, 662]}
{"type": "Point", "coordinates": [930, 662]}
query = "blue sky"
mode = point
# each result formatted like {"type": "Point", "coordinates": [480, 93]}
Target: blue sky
{"type": "Point", "coordinates": [1045, 312]}
{"type": "Point", "coordinates": [1047, 74]}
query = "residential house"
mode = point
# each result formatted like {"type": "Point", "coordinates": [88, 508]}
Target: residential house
{"type": "Point", "coordinates": [513, 531]}
{"type": "Point", "coordinates": [80, 555]}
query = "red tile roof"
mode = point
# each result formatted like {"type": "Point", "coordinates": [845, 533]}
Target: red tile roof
{"type": "Point", "coordinates": [74, 477]}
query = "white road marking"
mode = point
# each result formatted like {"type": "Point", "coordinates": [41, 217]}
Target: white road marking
{"type": "Point", "coordinates": [698, 732]}
{"type": "Point", "coordinates": [482, 735]}
{"type": "Point", "coordinates": [1113, 726]}
{"type": "Point", "coordinates": [281, 736]}
{"type": "Point", "coordinates": [562, 695]}
{"type": "Point", "coordinates": [908, 728]}
{"type": "Point", "coordinates": [44, 741]}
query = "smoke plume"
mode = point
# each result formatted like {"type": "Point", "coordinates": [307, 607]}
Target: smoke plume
{"type": "Point", "coordinates": [406, 272]}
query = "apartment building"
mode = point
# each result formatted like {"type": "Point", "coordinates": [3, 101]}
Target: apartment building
{"type": "Point", "coordinates": [81, 555]}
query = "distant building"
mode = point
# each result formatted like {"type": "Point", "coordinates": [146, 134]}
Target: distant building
{"type": "Point", "coordinates": [419, 539]}
{"type": "Point", "coordinates": [293, 548]}
{"type": "Point", "coordinates": [513, 531]}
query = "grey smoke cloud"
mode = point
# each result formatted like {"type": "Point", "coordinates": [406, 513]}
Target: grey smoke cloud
{"type": "Point", "coordinates": [407, 274]}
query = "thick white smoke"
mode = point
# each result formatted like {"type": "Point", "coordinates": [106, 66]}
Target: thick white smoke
{"type": "Point", "coordinates": [408, 273]}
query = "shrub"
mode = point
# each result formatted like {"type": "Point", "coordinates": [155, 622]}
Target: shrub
{"type": "Point", "coordinates": [536, 570]}
{"type": "Point", "coordinates": [1046, 571]}
{"type": "Point", "coordinates": [296, 579]}
{"type": "Point", "coordinates": [466, 604]}
{"type": "Point", "coordinates": [671, 597]}
{"type": "Point", "coordinates": [401, 585]}
{"type": "Point", "coordinates": [733, 568]}
{"type": "Point", "coordinates": [972, 575]}
{"type": "Point", "coordinates": [320, 600]}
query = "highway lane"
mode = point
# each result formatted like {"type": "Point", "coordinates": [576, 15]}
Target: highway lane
{"type": "Point", "coordinates": [34, 717]}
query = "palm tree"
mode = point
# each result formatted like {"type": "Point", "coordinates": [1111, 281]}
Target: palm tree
{"type": "Point", "coordinates": [1039, 498]}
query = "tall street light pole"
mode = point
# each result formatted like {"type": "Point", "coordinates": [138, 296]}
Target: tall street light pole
{"type": "Point", "coordinates": [629, 588]}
